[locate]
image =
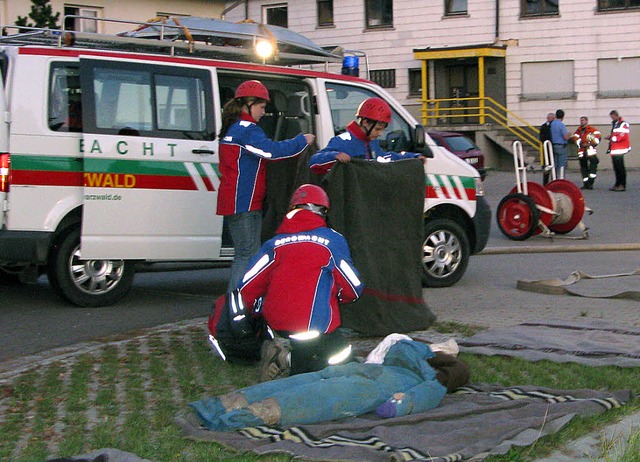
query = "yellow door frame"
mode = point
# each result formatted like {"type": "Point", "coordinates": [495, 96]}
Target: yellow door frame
{"type": "Point", "coordinates": [480, 52]}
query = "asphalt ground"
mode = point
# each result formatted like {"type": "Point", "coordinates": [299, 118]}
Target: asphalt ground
{"type": "Point", "coordinates": [487, 295]}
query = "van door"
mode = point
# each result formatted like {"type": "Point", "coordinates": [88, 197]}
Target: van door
{"type": "Point", "coordinates": [150, 161]}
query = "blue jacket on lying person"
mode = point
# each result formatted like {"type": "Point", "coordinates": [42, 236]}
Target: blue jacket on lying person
{"type": "Point", "coordinates": [344, 391]}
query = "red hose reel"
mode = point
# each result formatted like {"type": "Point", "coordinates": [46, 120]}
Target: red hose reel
{"type": "Point", "coordinates": [531, 208]}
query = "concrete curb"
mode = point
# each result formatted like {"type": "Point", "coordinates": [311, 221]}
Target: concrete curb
{"type": "Point", "coordinates": [560, 248]}
{"type": "Point", "coordinates": [589, 447]}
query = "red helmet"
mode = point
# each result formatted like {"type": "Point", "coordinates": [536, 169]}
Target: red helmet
{"type": "Point", "coordinates": [309, 194]}
{"type": "Point", "coordinates": [253, 88]}
{"type": "Point", "coordinates": [375, 109]}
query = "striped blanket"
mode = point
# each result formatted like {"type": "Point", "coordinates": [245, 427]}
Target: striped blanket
{"type": "Point", "coordinates": [472, 423]}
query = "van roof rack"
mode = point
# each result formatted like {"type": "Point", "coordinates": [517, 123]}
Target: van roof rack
{"type": "Point", "coordinates": [184, 36]}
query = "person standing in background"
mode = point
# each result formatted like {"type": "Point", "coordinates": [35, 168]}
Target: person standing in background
{"type": "Point", "coordinates": [587, 138]}
{"type": "Point", "coordinates": [559, 137]}
{"type": "Point", "coordinates": [544, 134]}
{"type": "Point", "coordinates": [618, 147]}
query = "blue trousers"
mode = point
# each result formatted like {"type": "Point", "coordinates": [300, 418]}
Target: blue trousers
{"type": "Point", "coordinates": [559, 157]}
{"type": "Point", "coordinates": [246, 230]}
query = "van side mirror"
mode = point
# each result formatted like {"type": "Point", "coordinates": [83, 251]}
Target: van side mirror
{"type": "Point", "coordinates": [420, 145]}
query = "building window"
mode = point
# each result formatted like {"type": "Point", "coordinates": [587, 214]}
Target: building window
{"type": "Point", "coordinates": [379, 13]}
{"type": "Point", "coordinates": [547, 80]}
{"type": "Point", "coordinates": [455, 7]}
{"type": "Point", "coordinates": [84, 24]}
{"type": "Point", "coordinates": [618, 78]}
{"type": "Point", "coordinates": [609, 5]}
{"type": "Point", "coordinates": [415, 82]}
{"type": "Point", "coordinates": [540, 7]}
{"type": "Point", "coordinates": [276, 15]}
{"type": "Point", "coordinates": [386, 78]}
{"type": "Point", "coordinates": [325, 13]}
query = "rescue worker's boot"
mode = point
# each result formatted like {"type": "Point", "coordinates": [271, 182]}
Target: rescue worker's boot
{"type": "Point", "coordinates": [275, 360]}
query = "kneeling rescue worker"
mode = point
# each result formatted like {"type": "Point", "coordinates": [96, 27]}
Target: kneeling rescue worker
{"type": "Point", "coordinates": [296, 282]}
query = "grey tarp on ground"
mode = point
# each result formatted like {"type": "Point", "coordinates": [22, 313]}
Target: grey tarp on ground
{"type": "Point", "coordinates": [378, 207]}
{"type": "Point", "coordinates": [469, 425]}
{"type": "Point", "coordinates": [581, 284]}
{"type": "Point", "coordinates": [591, 342]}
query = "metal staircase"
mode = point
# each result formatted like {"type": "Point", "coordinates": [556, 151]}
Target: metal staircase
{"type": "Point", "coordinates": [488, 117]}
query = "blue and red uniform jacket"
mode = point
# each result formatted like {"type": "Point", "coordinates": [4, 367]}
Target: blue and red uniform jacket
{"type": "Point", "coordinates": [355, 143]}
{"type": "Point", "coordinates": [244, 151]}
{"type": "Point", "coordinates": [302, 274]}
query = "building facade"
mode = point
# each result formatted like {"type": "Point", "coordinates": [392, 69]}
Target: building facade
{"type": "Point", "coordinates": [140, 10]}
{"type": "Point", "coordinates": [474, 64]}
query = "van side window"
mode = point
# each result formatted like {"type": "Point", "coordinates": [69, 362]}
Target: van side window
{"type": "Point", "coordinates": [65, 106]}
{"type": "Point", "coordinates": [144, 100]}
{"type": "Point", "coordinates": [344, 101]}
{"type": "Point", "coordinates": [289, 111]}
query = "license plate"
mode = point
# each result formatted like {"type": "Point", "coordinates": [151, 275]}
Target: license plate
{"type": "Point", "coordinates": [472, 160]}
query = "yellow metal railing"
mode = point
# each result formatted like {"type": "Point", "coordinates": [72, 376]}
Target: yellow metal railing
{"type": "Point", "coordinates": [450, 109]}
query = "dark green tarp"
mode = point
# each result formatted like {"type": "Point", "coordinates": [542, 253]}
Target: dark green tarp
{"type": "Point", "coordinates": [378, 207]}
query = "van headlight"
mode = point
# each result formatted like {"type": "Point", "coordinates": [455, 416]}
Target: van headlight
{"type": "Point", "coordinates": [479, 187]}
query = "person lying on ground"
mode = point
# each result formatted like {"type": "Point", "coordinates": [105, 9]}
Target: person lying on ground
{"type": "Point", "coordinates": [405, 383]}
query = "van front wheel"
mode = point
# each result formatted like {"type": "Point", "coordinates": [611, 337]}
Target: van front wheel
{"type": "Point", "coordinates": [86, 283]}
{"type": "Point", "coordinates": [445, 253]}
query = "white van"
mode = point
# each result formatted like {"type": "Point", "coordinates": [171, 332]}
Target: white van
{"type": "Point", "coordinates": [109, 158]}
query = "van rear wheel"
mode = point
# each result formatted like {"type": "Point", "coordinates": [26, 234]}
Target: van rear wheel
{"type": "Point", "coordinates": [86, 283]}
{"type": "Point", "coordinates": [445, 253]}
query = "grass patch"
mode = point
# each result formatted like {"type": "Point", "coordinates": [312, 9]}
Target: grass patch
{"type": "Point", "coordinates": [136, 389]}
{"type": "Point", "coordinates": [448, 327]}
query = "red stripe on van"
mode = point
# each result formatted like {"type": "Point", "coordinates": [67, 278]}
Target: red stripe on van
{"type": "Point", "coordinates": [208, 184]}
{"type": "Point", "coordinates": [430, 193]}
{"type": "Point", "coordinates": [46, 178]}
{"type": "Point", "coordinates": [184, 183]}
{"type": "Point", "coordinates": [53, 178]}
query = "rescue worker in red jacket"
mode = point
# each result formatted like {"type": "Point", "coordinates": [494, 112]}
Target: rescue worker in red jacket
{"type": "Point", "coordinates": [360, 140]}
{"type": "Point", "coordinates": [296, 282]}
{"type": "Point", "coordinates": [587, 138]}
{"type": "Point", "coordinates": [618, 147]}
{"type": "Point", "coordinates": [244, 150]}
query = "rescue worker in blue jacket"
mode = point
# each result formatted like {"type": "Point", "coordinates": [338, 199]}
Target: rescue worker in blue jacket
{"type": "Point", "coordinates": [244, 151]}
{"type": "Point", "coordinates": [360, 140]}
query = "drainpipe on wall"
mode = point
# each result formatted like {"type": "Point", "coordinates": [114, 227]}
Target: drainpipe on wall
{"type": "Point", "coordinates": [238, 3]}
{"type": "Point", "coordinates": [497, 29]}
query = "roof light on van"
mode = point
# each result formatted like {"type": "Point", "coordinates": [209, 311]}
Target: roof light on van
{"type": "Point", "coordinates": [5, 172]}
{"type": "Point", "coordinates": [264, 49]}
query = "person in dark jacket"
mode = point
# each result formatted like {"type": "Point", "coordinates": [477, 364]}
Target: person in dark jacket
{"type": "Point", "coordinates": [296, 282]}
{"type": "Point", "coordinates": [360, 140]}
{"type": "Point", "coordinates": [244, 149]}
